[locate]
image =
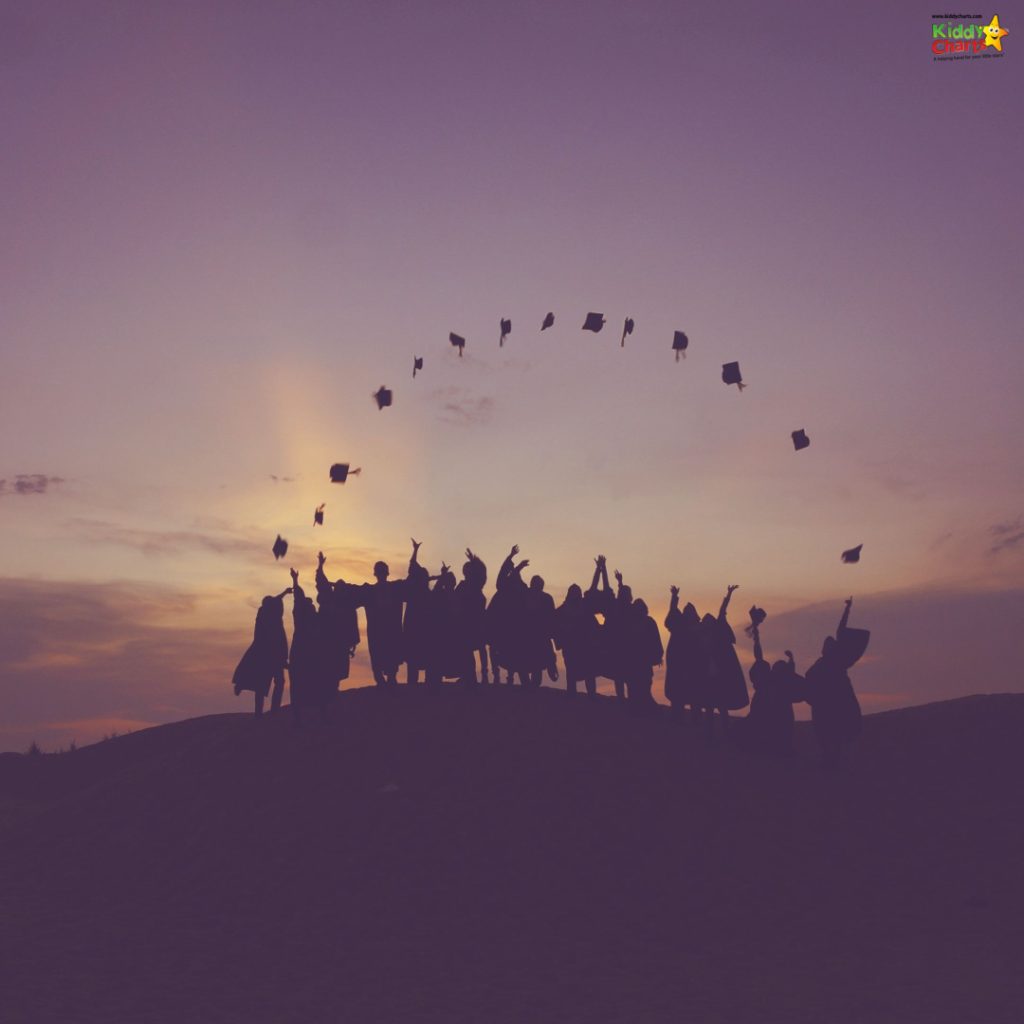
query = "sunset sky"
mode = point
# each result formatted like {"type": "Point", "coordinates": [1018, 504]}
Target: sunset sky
{"type": "Point", "coordinates": [224, 225]}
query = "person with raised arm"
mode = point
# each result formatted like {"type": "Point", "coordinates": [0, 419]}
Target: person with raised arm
{"type": "Point", "coordinates": [835, 710]}
{"type": "Point", "coordinates": [339, 623]}
{"type": "Point", "coordinates": [685, 659]}
{"type": "Point", "coordinates": [311, 682]}
{"type": "Point", "coordinates": [504, 618]}
{"type": "Point", "coordinates": [416, 624]}
{"type": "Point", "coordinates": [727, 685]}
{"type": "Point", "coordinates": [264, 662]}
{"type": "Point", "coordinates": [538, 630]}
{"type": "Point", "coordinates": [619, 634]}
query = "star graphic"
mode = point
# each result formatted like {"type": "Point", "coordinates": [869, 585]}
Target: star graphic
{"type": "Point", "coordinates": [994, 34]}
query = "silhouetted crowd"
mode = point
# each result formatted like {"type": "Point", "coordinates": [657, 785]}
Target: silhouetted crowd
{"type": "Point", "coordinates": [443, 629]}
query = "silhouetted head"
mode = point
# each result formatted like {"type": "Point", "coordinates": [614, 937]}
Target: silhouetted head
{"type": "Point", "coordinates": [474, 572]}
{"type": "Point", "coordinates": [445, 582]}
{"type": "Point", "coordinates": [271, 604]}
{"type": "Point", "coordinates": [690, 616]}
{"type": "Point", "coordinates": [782, 668]}
{"type": "Point", "coordinates": [626, 594]}
{"type": "Point", "coordinates": [574, 595]}
{"type": "Point", "coordinates": [709, 622]}
{"type": "Point", "coordinates": [536, 583]}
{"type": "Point", "coordinates": [640, 606]}
{"type": "Point", "coordinates": [829, 648]}
{"type": "Point", "coordinates": [381, 571]}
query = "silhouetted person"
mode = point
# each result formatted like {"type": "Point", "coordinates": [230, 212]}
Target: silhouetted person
{"type": "Point", "coordinates": [311, 682]}
{"type": "Point", "coordinates": [416, 625]}
{"type": "Point", "coordinates": [265, 659]}
{"type": "Point", "coordinates": [727, 685]}
{"type": "Point", "coordinates": [445, 652]}
{"type": "Point", "coordinates": [472, 605]}
{"type": "Point", "coordinates": [599, 599]}
{"type": "Point", "coordinates": [770, 722]}
{"type": "Point", "coordinates": [383, 604]}
{"type": "Point", "coordinates": [835, 710]}
{"type": "Point", "coordinates": [686, 660]}
{"type": "Point", "coordinates": [577, 636]}
{"type": "Point", "coordinates": [504, 618]}
{"type": "Point", "coordinates": [644, 651]}
{"type": "Point", "coordinates": [339, 623]}
{"type": "Point", "coordinates": [537, 631]}
{"type": "Point", "coordinates": [618, 631]}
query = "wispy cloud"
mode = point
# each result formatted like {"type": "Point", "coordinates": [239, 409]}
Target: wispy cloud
{"type": "Point", "coordinates": [29, 483]}
{"type": "Point", "coordinates": [461, 406]}
{"type": "Point", "coordinates": [1008, 535]}
{"type": "Point", "coordinates": [168, 542]}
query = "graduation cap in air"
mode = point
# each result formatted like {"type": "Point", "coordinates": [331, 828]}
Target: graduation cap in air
{"type": "Point", "coordinates": [627, 328]}
{"type": "Point", "coordinates": [340, 472]}
{"type": "Point", "coordinates": [280, 547]}
{"type": "Point", "coordinates": [731, 375]}
{"type": "Point", "coordinates": [506, 330]}
{"type": "Point", "coordinates": [549, 321]}
{"type": "Point", "coordinates": [800, 440]}
{"type": "Point", "coordinates": [853, 555]}
{"type": "Point", "coordinates": [318, 516]}
{"type": "Point", "coordinates": [594, 322]}
{"type": "Point", "coordinates": [680, 342]}
{"type": "Point", "coordinates": [382, 396]}
{"type": "Point", "coordinates": [458, 342]}
{"type": "Point", "coordinates": [417, 364]}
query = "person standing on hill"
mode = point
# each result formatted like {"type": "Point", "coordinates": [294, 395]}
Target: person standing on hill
{"type": "Point", "coordinates": [416, 627]}
{"type": "Point", "coordinates": [618, 629]}
{"type": "Point", "coordinates": [577, 636]}
{"type": "Point", "coordinates": [264, 662]}
{"type": "Point", "coordinates": [469, 595]}
{"type": "Point", "coordinates": [644, 651]}
{"type": "Point", "coordinates": [504, 618]}
{"type": "Point", "coordinates": [685, 659]}
{"type": "Point", "coordinates": [835, 710]}
{"type": "Point", "coordinates": [727, 689]}
{"type": "Point", "coordinates": [538, 629]}
{"type": "Point", "coordinates": [383, 602]}
{"type": "Point", "coordinates": [338, 623]}
{"type": "Point", "coordinates": [312, 684]}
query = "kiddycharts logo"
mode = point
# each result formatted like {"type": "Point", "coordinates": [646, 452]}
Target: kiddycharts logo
{"type": "Point", "coordinates": [966, 37]}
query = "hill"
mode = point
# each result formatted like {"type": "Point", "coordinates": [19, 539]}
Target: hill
{"type": "Point", "coordinates": [507, 856]}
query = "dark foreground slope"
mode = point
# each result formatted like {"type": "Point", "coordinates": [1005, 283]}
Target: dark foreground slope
{"type": "Point", "coordinates": [503, 856]}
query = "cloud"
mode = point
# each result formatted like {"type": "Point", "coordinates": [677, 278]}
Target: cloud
{"type": "Point", "coordinates": [29, 483]}
{"type": "Point", "coordinates": [460, 406]}
{"type": "Point", "coordinates": [170, 542]}
{"type": "Point", "coordinates": [1008, 535]}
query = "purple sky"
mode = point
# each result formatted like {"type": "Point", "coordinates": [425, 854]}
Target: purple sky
{"type": "Point", "coordinates": [224, 225]}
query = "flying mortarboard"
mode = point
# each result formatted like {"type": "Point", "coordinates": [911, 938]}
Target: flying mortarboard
{"type": "Point", "coordinates": [549, 321]}
{"type": "Point", "coordinates": [679, 344]}
{"type": "Point", "coordinates": [627, 328]}
{"type": "Point", "coordinates": [506, 330]}
{"type": "Point", "coordinates": [853, 555]}
{"type": "Point", "coordinates": [731, 375]}
{"type": "Point", "coordinates": [800, 440]}
{"type": "Point", "coordinates": [594, 322]}
{"type": "Point", "coordinates": [318, 516]}
{"type": "Point", "coordinates": [280, 547]}
{"type": "Point", "coordinates": [382, 396]}
{"type": "Point", "coordinates": [340, 472]}
{"type": "Point", "coordinates": [417, 364]}
{"type": "Point", "coordinates": [458, 342]}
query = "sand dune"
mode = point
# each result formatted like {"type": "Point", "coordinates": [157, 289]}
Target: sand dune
{"type": "Point", "coordinates": [506, 856]}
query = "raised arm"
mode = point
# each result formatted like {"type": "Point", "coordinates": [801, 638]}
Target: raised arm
{"type": "Point", "coordinates": [845, 617]}
{"type": "Point", "coordinates": [298, 592]}
{"type": "Point", "coordinates": [416, 545]}
{"type": "Point", "coordinates": [725, 601]}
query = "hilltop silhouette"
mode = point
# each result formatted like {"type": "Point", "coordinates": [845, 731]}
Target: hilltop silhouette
{"type": "Point", "coordinates": [509, 855]}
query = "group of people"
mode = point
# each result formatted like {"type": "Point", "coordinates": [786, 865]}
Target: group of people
{"type": "Point", "coordinates": [442, 629]}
